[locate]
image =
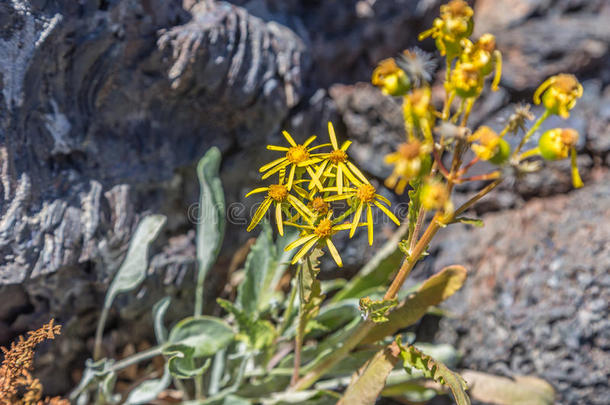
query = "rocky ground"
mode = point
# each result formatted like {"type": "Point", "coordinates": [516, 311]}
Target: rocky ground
{"type": "Point", "coordinates": [106, 105]}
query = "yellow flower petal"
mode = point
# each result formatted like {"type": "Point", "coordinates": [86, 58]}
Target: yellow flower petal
{"type": "Point", "coordinates": [289, 138]}
{"type": "Point", "coordinates": [369, 220]}
{"type": "Point", "coordinates": [334, 253]}
{"type": "Point", "coordinates": [387, 212]}
{"type": "Point", "coordinates": [304, 250]}
{"type": "Point", "coordinates": [278, 219]}
{"type": "Point", "coordinates": [332, 136]}
{"type": "Point", "coordinates": [356, 220]}
{"type": "Point", "coordinates": [314, 178]}
{"type": "Point", "coordinates": [275, 169]}
{"type": "Point", "coordinates": [357, 172]}
{"type": "Point", "coordinates": [260, 212]}
{"type": "Point", "coordinates": [339, 179]}
{"type": "Point", "coordinates": [291, 177]}
{"type": "Point", "coordinates": [300, 241]}
{"type": "Point", "coordinates": [278, 148]}
{"type": "Point", "coordinates": [345, 145]}
{"type": "Point", "coordinates": [270, 165]}
{"type": "Point", "coordinates": [309, 140]}
{"type": "Point", "coordinates": [257, 190]}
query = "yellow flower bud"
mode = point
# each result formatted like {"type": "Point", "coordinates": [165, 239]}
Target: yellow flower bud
{"type": "Point", "coordinates": [490, 146]}
{"type": "Point", "coordinates": [555, 144]}
{"type": "Point", "coordinates": [466, 80]}
{"type": "Point", "coordinates": [435, 196]}
{"type": "Point", "coordinates": [559, 94]}
{"type": "Point", "coordinates": [390, 78]}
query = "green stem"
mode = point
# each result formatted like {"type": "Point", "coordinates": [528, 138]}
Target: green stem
{"type": "Point", "coordinates": [99, 334]}
{"type": "Point", "coordinates": [288, 311]}
{"type": "Point", "coordinates": [533, 129]}
{"type": "Point", "coordinates": [300, 330]}
{"type": "Point", "coordinates": [136, 358]}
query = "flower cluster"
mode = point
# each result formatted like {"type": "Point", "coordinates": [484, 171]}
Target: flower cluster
{"type": "Point", "coordinates": [310, 179]}
{"type": "Point", "coordinates": [468, 63]}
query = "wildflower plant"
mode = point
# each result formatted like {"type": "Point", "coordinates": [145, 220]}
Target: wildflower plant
{"type": "Point", "coordinates": [288, 337]}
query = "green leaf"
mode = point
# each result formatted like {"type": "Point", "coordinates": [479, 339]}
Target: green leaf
{"type": "Point", "coordinates": [93, 375]}
{"type": "Point", "coordinates": [205, 335]}
{"type": "Point", "coordinates": [522, 390]}
{"type": "Point", "coordinates": [265, 265]}
{"type": "Point", "coordinates": [159, 310]}
{"type": "Point", "coordinates": [432, 292]}
{"type": "Point", "coordinates": [226, 400]}
{"type": "Point", "coordinates": [182, 364]}
{"type": "Point", "coordinates": [148, 390]}
{"type": "Point", "coordinates": [377, 271]}
{"type": "Point", "coordinates": [365, 389]}
{"type": "Point", "coordinates": [469, 221]}
{"type": "Point", "coordinates": [258, 334]}
{"type": "Point", "coordinates": [133, 269]}
{"type": "Point", "coordinates": [308, 397]}
{"type": "Point", "coordinates": [413, 358]}
{"type": "Point", "coordinates": [376, 310]}
{"type": "Point", "coordinates": [211, 218]}
{"type": "Point", "coordinates": [310, 292]}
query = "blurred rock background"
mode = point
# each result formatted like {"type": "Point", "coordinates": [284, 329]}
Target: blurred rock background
{"type": "Point", "coordinates": [106, 105]}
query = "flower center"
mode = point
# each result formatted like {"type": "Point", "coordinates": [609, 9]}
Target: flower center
{"type": "Point", "coordinates": [569, 137]}
{"type": "Point", "coordinates": [410, 150]}
{"type": "Point", "coordinates": [337, 156]}
{"type": "Point", "coordinates": [487, 42]}
{"type": "Point", "coordinates": [319, 205]}
{"type": "Point", "coordinates": [366, 193]}
{"type": "Point", "coordinates": [566, 83]}
{"type": "Point", "coordinates": [297, 154]}
{"type": "Point", "coordinates": [277, 192]}
{"type": "Point", "coordinates": [324, 228]}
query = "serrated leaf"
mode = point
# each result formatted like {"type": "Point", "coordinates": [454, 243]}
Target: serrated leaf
{"type": "Point", "coordinates": [522, 390]}
{"type": "Point", "coordinates": [205, 335]}
{"type": "Point", "coordinates": [432, 292]}
{"type": "Point", "coordinates": [469, 221]}
{"type": "Point", "coordinates": [133, 269]}
{"type": "Point", "coordinates": [159, 310]}
{"type": "Point", "coordinates": [211, 216]}
{"type": "Point", "coordinates": [265, 265]}
{"type": "Point", "coordinates": [149, 390]}
{"type": "Point", "coordinates": [258, 333]}
{"type": "Point", "coordinates": [413, 358]}
{"type": "Point", "coordinates": [365, 389]}
{"type": "Point", "coordinates": [310, 292]}
{"type": "Point", "coordinates": [376, 310]}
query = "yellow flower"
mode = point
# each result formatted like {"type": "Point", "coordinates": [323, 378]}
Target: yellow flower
{"type": "Point", "coordinates": [435, 196]}
{"type": "Point", "coordinates": [466, 80]}
{"type": "Point", "coordinates": [297, 156]}
{"type": "Point", "coordinates": [484, 55]}
{"type": "Point", "coordinates": [559, 94]}
{"type": "Point", "coordinates": [490, 146]}
{"type": "Point", "coordinates": [418, 112]}
{"type": "Point", "coordinates": [364, 196]}
{"type": "Point", "coordinates": [280, 195]}
{"type": "Point", "coordinates": [392, 80]}
{"type": "Point", "coordinates": [337, 161]}
{"type": "Point", "coordinates": [317, 234]}
{"type": "Point", "coordinates": [409, 162]}
{"type": "Point", "coordinates": [556, 143]}
{"type": "Point", "coordinates": [454, 24]}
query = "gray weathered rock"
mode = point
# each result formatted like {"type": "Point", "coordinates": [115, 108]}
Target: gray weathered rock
{"type": "Point", "coordinates": [536, 299]}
